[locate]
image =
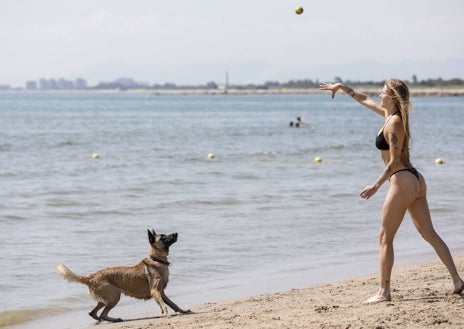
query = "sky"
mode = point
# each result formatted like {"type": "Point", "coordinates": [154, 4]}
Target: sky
{"type": "Point", "coordinates": [197, 41]}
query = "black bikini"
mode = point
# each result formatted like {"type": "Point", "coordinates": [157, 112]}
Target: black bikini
{"type": "Point", "coordinates": [412, 170]}
{"type": "Point", "coordinates": [382, 144]}
{"type": "Point", "coordinates": [380, 141]}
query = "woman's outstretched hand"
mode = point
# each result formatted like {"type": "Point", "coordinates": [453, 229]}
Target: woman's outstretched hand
{"type": "Point", "coordinates": [368, 192]}
{"type": "Point", "coordinates": [332, 87]}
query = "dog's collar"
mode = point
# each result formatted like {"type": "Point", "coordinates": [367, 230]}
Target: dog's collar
{"type": "Point", "coordinates": [159, 260]}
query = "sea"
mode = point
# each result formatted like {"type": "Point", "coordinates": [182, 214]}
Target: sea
{"type": "Point", "coordinates": [85, 174]}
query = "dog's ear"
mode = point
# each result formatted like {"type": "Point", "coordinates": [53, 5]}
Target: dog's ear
{"type": "Point", "coordinates": [151, 236]}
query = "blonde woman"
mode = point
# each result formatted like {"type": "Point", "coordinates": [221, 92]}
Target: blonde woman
{"type": "Point", "coordinates": [407, 190]}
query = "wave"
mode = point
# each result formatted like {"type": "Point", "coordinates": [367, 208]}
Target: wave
{"type": "Point", "coordinates": [9, 318]}
{"type": "Point", "coordinates": [197, 202]}
{"type": "Point", "coordinates": [5, 147]}
{"type": "Point", "coordinates": [60, 306]}
{"type": "Point", "coordinates": [67, 143]}
{"type": "Point", "coordinates": [14, 217]}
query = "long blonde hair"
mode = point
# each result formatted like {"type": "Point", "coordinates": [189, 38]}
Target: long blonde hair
{"type": "Point", "coordinates": [399, 92]}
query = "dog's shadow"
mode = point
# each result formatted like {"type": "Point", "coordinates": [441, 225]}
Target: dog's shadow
{"type": "Point", "coordinates": [148, 318]}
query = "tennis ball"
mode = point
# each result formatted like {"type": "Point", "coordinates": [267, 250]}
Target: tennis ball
{"type": "Point", "coordinates": [439, 161]}
{"type": "Point", "coordinates": [95, 156]}
{"type": "Point", "coordinates": [318, 159]}
{"type": "Point", "coordinates": [211, 156]}
{"type": "Point", "coordinates": [299, 10]}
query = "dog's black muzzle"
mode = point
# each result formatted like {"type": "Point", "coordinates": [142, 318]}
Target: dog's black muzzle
{"type": "Point", "coordinates": [170, 239]}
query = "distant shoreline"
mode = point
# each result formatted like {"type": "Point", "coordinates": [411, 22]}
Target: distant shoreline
{"type": "Point", "coordinates": [373, 91]}
{"type": "Point", "coordinates": [415, 92]}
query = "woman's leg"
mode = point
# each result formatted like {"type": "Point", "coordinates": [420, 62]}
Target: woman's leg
{"type": "Point", "coordinates": [393, 211]}
{"type": "Point", "coordinates": [420, 214]}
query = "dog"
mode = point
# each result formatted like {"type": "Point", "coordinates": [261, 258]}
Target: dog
{"type": "Point", "coordinates": [146, 280]}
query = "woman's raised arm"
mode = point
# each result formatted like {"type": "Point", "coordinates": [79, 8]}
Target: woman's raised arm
{"type": "Point", "coordinates": [357, 95]}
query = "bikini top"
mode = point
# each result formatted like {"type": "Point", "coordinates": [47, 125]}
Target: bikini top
{"type": "Point", "coordinates": [380, 141]}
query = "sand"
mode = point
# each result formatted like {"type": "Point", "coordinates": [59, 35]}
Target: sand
{"type": "Point", "coordinates": [421, 298]}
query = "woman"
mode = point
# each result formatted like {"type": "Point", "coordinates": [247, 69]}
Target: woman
{"type": "Point", "coordinates": [407, 190]}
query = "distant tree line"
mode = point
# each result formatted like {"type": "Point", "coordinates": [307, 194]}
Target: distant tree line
{"type": "Point", "coordinates": [130, 84]}
{"type": "Point", "coordinates": [307, 83]}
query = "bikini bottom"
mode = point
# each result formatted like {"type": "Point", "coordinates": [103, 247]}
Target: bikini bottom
{"type": "Point", "coordinates": [411, 170]}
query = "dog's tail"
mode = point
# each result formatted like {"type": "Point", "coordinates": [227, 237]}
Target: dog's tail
{"type": "Point", "coordinates": [71, 276]}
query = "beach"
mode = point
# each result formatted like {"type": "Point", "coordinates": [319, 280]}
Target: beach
{"type": "Point", "coordinates": [421, 298]}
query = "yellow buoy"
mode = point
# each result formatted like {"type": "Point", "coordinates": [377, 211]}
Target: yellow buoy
{"type": "Point", "coordinates": [318, 159]}
{"type": "Point", "coordinates": [439, 161]}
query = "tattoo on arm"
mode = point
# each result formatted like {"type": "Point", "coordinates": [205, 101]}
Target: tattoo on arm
{"type": "Point", "coordinates": [360, 97]}
{"type": "Point", "coordinates": [350, 91]}
{"type": "Point", "coordinates": [394, 139]}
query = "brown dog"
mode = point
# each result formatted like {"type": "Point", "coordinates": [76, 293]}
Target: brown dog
{"type": "Point", "coordinates": [146, 280]}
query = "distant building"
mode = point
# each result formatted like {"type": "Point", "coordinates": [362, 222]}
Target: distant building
{"type": "Point", "coordinates": [48, 84]}
{"type": "Point", "coordinates": [43, 84]}
{"type": "Point", "coordinates": [81, 83]}
{"type": "Point", "coordinates": [61, 84]}
{"type": "Point", "coordinates": [126, 83]}
{"type": "Point", "coordinates": [65, 84]}
{"type": "Point", "coordinates": [31, 85]}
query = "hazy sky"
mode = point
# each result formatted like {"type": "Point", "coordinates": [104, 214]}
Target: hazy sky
{"type": "Point", "coordinates": [60, 38]}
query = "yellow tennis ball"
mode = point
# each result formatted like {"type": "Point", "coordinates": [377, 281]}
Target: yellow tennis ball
{"type": "Point", "coordinates": [439, 161]}
{"type": "Point", "coordinates": [299, 10]}
{"type": "Point", "coordinates": [211, 156]}
{"type": "Point", "coordinates": [318, 159]}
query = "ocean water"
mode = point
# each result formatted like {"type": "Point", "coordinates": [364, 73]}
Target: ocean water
{"type": "Point", "coordinates": [259, 217]}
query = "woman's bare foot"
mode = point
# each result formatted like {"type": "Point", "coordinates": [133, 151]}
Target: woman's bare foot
{"type": "Point", "coordinates": [459, 288]}
{"type": "Point", "coordinates": [381, 296]}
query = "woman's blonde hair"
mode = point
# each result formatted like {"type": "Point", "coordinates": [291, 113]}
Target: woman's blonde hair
{"type": "Point", "coordinates": [399, 92]}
